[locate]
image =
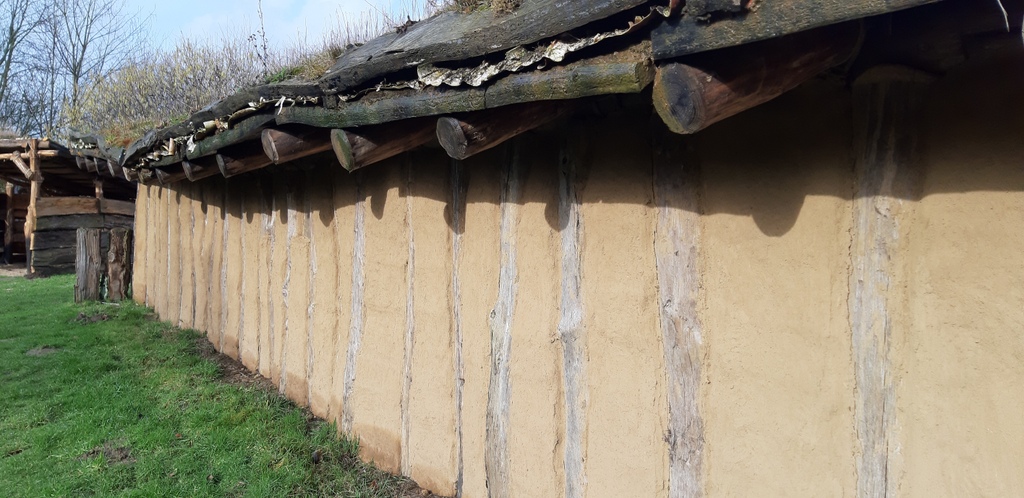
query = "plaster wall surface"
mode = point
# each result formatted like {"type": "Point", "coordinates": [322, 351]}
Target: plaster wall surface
{"type": "Point", "coordinates": [392, 275]}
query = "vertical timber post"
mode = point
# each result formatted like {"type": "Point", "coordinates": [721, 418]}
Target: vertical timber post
{"type": "Point", "coordinates": [30, 218]}
{"type": "Point", "coordinates": [887, 102]}
{"type": "Point", "coordinates": [119, 264]}
{"type": "Point", "coordinates": [88, 265]}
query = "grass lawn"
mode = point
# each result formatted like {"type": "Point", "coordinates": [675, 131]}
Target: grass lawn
{"type": "Point", "coordinates": [101, 400]}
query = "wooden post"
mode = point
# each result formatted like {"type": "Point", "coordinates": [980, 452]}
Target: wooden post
{"type": "Point", "coordinates": [888, 101]}
{"type": "Point", "coordinates": [477, 132]}
{"type": "Point", "coordinates": [119, 264]}
{"type": "Point", "coordinates": [358, 149]}
{"type": "Point", "coordinates": [98, 183]}
{"type": "Point", "coordinates": [88, 265]}
{"type": "Point", "coordinates": [283, 146]}
{"type": "Point", "coordinates": [35, 187]}
{"type": "Point", "coordinates": [693, 95]}
{"type": "Point", "coordinates": [9, 224]}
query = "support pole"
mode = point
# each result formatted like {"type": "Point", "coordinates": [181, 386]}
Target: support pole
{"type": "Point", "coordinates": [887, 107]}
{"type": "Point", "coordinates": [119, 265]}
{"type": "Point", "coordinates": [88, 265]}
{"type": "Point", "coordinates": [34, 189]}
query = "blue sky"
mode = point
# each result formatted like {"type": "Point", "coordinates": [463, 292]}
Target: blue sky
{"type": "Point", "coordinates": [285, 20]}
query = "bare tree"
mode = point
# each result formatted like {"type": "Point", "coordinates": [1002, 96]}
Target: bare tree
{"type": "Point", "coordinates": [23, 17]}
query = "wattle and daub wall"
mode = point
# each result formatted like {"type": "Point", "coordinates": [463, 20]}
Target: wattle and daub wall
{"type": "Point", "coordinates": [814, 298]}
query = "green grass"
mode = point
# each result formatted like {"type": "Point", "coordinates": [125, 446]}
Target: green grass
{"type": "Point", "coordinates": [127, 406]}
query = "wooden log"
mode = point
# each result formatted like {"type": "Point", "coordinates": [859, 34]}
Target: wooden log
{"type": "Point", "coordinates": [363, 147]}
{"type": "Point", "coordinates": [888, 114]}
{"type": "Point", "coordinates": [115, 169]}
{"type": "Point", "coordinates": [244, 130]}
{"type": "Point", "coordinates": [693, 95]}
{"type": "Point", "coordinates": [454, 36]}
{"type": "Point", "coordinates": [113, 206]}
{"type": "Point", "coordinates": [165, 177]}
{"type": "Point", "coordinates": [386, 107]}
{"type": "Point", "coordinates": [88, 265]}
{"type": "Point", "coordinates": [81, 162]}
{"type": "Point", "coordinates": [41, 153]}
{"type": "Point", "coordinates": [34, 190]}
{"type": "Point", "coordinates": [62, 206]}
{"type": "Point", "coordinates": [686, 35]}
{"type": "Point", "coordinates": [71, 222]}
{"type": "Point", "coordinates": [474, 133]}
{"type": "Point", "coordinates": [23, 166]}
{"type": "Point", "coordinates": [119, 265]}
{"type": "Point", "coordinates": [22, 143]}
{"type": "Point", "coordinates": [198, 169]}
{"type": "Point", "coordinates": [232, 164]}
{"type": "Point", "coordinates": [283, 146]}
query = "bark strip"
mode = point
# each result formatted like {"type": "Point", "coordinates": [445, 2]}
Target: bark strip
{"type": "Point", "coordinates": [887, 102]}
{"type": "Point", "coordinates": [571, 332]}
{"type": "Point", "coordinates": [458, 215]}
{"type": "Point", "coordinates": [356, 324]}
{"type": "Point", "coordinates": [410, 325]}
{"type": "Point", "coordinates": [499, 393]}
{"type": "Point", "coordinates": [676, 248]}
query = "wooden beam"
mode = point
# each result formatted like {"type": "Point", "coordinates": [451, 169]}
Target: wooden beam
{"type": "Point", "coordinates": [688, 34]}
{"type": "Point", "coordinates": [114, 206]}
{"type": "Point", "coordinates": [165, 177]}
{"type": "Point", "coordinates": [24, 167]}
{"type": "Point", "coordinates": [232, 164]}
{"type": "Point", "coordinates": [115, 169]}
{"type": "Point", "coordinates": [22, 143]}
{"type": "Point", "coordinates": [63, 206]}
{"type": "Point", "coordinates": [283, 146]}
{"type": "Point", "coordinates": [81, 163]}
{"type": "Point", "coordinates": [468, 135]}
{"type": "Point", "coordinates": [98, 183]}
{"type": "Point", "coordinates": [88, 265]}
{"type": "Point", "coordinates": [691, 96]}
{"type": "Point", "coordinates": [40, 153]}
{"type": "Point", "coordinates": [244, 130]}
{"type": "Point", "coordinates": [453, 36]}
{"type": "Point", "coordinates": [198, 169]}
{"type": "Point", "coordinates": [365, 146]}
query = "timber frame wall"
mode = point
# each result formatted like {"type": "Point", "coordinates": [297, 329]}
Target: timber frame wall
{"type": "Point", "coordinates": [829, 306]}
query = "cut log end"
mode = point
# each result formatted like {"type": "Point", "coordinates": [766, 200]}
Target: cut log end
{"type": "Point", "coordinates": [452, 137]}
{"type": "Point", "coordinates": [674, 86]}
{"type": "Point", "coordinates": [343, 149]}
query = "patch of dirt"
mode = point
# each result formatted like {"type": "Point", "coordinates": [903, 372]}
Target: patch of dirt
{"type": "Point", "coordinates": [112, 452]}
{"type": "Point", "coordinates": [14, 452]}
{"type": "Point", "coordinates": [231, 371]}
{"type": "Point", "coordinates": [17, 270]}
{"type": "Point", "coordinates": [98, 317]}
{"type": "Point", "coordinates": [41, 351]}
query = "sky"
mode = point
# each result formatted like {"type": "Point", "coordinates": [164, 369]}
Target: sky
{"type": "Point", "coordinates": [285, 21]}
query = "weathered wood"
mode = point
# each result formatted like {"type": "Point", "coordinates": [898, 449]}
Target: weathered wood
{"type": "Point", "coordinates": [115, 169]}
{"type": "Point", "coordinates": [286, 145]}
{"type": "Point", "coordinates": [22, 143]}
{"type": "Point", "coordinates": [887, 116]}
{"type": "Point", "coordinates": [82, 163]}
{"type": "Point", "coordinates": [691, 96]}
{"type": "Point", "coordinates": [627, 71]}
{"type": "Point", "coordinates": [454, 36]}
{"type": "Point", "coordinates": [58, 256]}
{"type": "Point", "coordinates": [473, 133]}
{"type": "Point", "coordinates": [55, 240]}
{"type": "Point", "coordinates": [74, 221]}
{"type": "Point", "coordinates": [236, 163]}
{"type": "Point", "coordinates": [677, 252]}
{"type": "Point", "coordinates": [571, 332]}
{"type": "Point", "coordinates": [61, 206]}
{"type": "Point", "coordinates": [385, 107]}
{"type": "Point", "coordinates": [119, 265]}
{"type": "Point", "coordinates": [25, 170]}
{"type": "Point", "coordinates": [198, 169]}
{"type": "Point", "coordinates": [499, 391]}
{"type": "Point", "coordinates": [88, 265]}
{"type": "Point", "coordinates": [114, 206]}
{"type": "Point", "coordinates": [356, 318]}
{"type": "Point", "coordinates": [42, 153]}
{"type": "Point", "coordinates": [365, 146]}
{"type": "Point", "coordinates": [691, 34]}
{"type": "Point", "coordinates": [33, 199]}
{"type": "Point", "coordinates": [244, 130]}
{"type": "Point", "coordinates": [169, 176]}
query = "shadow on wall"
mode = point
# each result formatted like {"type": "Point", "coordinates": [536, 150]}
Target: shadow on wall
{"type": "Point", "coordinates": [762, 164]}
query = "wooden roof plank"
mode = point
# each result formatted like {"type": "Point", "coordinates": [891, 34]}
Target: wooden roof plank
{"type": "Point", "coordinates": [453, 36]}
{"type": "Point", "coordinates": [772, 18]}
